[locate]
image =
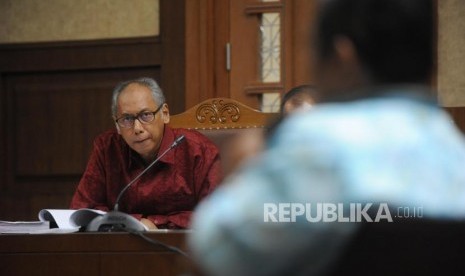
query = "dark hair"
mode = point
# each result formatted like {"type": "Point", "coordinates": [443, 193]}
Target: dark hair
{"type": "Point", "coordinates": [393, 38]}
{"type": "Point", "coordinates": [306, 88]}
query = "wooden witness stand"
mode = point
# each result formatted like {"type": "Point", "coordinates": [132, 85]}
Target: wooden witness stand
{"type": "Point", "coordinates": [92, 254]}
{"type": "Point", "coordinates": [123, 253]}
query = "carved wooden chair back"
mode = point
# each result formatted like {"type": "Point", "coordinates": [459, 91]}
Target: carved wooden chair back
{"type": "Point", "coordinates": [221, 113]}
{"type": "Point", "coordinates": [222, 120]}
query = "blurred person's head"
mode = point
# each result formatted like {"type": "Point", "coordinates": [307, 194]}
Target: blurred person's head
{"type": "Point", "coordinates": [364, 43]}
{"type": "Point", "coordinates": [299, 98]}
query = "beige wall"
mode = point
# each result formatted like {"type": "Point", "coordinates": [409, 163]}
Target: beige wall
{"type": "Point", "coordinates": [451, 48]}
{"type": "Point", "coordinates": [58, 20]}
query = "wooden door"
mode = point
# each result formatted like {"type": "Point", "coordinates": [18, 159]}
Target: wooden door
{"type": "Point", "coordinates": [248, 50]}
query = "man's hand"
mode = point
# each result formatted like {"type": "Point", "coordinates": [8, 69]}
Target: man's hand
{"type": "Point", "coordinates": [150, 225]}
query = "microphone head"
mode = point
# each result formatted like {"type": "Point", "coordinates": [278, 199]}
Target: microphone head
{"type": "Point", "coordinates": [115, 221]}
{"type": "Point", "coordinates": [178, 141]}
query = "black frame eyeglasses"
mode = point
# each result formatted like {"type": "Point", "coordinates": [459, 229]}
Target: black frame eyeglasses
{"type": "Point", "coordinates": [144, 117]}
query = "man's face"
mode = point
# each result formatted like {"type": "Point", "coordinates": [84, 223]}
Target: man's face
{"type": "Point", "coordinates": [144, 137]}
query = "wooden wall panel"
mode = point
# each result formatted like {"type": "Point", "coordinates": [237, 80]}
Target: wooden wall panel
{"type": "Point", "coordinates": [52, 118]}
{"type": "Point", "coordinates": [3, 131]}
{"type": "Point", "coordinates": [80, 55]}
{"type": "Point", "coordinates": [54, 99]}
{"type": "Point", "coordinates": [76, 104]}
{"type": "Point", "coordinates": [173, 83]}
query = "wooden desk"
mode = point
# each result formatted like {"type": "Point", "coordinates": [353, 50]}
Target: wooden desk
{"type": "Point", "coordinates": [91, 254]}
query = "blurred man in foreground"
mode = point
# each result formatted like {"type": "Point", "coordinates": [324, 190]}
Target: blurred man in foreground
{"type": "Point", "coordinates": [377, 136]}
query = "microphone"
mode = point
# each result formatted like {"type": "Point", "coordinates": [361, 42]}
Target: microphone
{"type": "Point", "coordinates": [119, 221]}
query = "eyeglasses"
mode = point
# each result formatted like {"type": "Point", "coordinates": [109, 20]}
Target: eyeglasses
{"type": "Point", "coordinates": [127, 121]}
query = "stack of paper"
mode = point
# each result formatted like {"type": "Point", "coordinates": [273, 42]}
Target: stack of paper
{"type": "Point", "coordinates": [23, 226]}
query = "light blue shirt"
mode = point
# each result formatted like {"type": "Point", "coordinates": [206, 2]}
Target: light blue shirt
{"type": "Point", "coordinates": [396, 150]}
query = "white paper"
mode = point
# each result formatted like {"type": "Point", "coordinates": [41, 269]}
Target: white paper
{"type": "Point", "coordinates": [65, 219]}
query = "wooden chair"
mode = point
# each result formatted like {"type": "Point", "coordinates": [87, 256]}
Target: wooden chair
{"type": "Point", "coordinates": [222, 120]}
{"type": "Point", "coordinates": [221, 113]}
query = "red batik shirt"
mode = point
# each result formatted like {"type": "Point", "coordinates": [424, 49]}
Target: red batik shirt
{"type": "Point", "coordinates": [166, 194]}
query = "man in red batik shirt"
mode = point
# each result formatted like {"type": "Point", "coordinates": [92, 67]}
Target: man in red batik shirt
{"type": "Point", "coordinates": [166, 194]}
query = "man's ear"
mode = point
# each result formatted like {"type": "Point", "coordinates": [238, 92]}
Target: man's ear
{"type": "Point", "coordinates": [352, 72]}
{"type": "Point", "coordinates": [117, 128]}
{"type": "Point", "coordinates": [165, 112]}
{"type": "Point", "coordinates": [345, 51]}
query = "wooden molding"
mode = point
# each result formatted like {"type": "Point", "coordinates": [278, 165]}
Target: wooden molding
{"type": "Point", "coordinates": [79, 55]}
{"type": "Point", "coordinates": [263, 7]}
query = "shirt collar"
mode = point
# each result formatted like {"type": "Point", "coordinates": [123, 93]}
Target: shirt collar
{"type": "Point", "coordinates": [168, 138]}
{"type": "Point", "coordinates": [166, 142]}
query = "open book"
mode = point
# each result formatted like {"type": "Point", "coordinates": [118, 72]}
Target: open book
{"type": "Point", "coordinates": [69, 220]}
{"type": "Point", "coordinates": [52, 221]}
{"type": "Point", "coordinates": [90, 220]}
{"type": "Point", "coordinates": [66, 221]}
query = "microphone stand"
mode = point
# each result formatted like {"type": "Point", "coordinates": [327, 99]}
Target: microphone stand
{"type": "Point", "coordinates": [115, 220]}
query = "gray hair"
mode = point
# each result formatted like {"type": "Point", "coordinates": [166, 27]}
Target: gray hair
{"type": "Point", "coordinates": [150, 83]}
